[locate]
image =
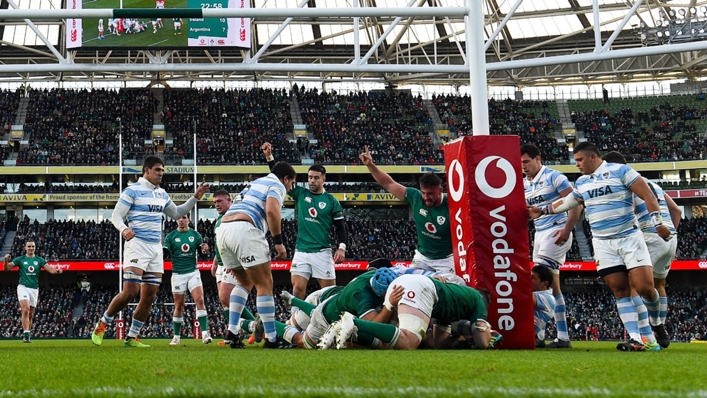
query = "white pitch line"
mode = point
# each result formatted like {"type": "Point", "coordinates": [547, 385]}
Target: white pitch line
{"type": "Point", "coordinates": [154, 44]}
{"type": "Point", "coordinates": [353, 391]}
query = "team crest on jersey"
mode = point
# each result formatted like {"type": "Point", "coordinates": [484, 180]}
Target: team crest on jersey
{"type": "Point", "coordinates": [312, 212]}
{"type": "Point", "coordinates": [308, 199]}
{"type": "Point", "coordinates": [441, 220]}
{"type": "Point", "coordinates": [30, 269]}
{"type": "Point", "coordinates": [605, 175]}
{"type": "Point", "coordinates": [423, 212]}
{"type": "Point", "coordinates": [540, 184]}
{"type": "Point", "coordinates": [322, 205]}
{"type": "Point", "coordinates": [191, 239]}
{"type": "Point", "coordinates": [185, 248]}
{"type": "Point", "coordinates": [430, 227]}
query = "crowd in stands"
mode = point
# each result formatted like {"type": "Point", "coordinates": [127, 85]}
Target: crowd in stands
{"type": "Point", "coordinates": [78, 127]}
{"type": "Point", "coordinates": [9, 102]}
{"type": "Point", "coordinates": [49, 187]}
{"type": "Point", "coordinates": [591, 313]}
{"type": "Point", "coordinates": [663, 133]}
{"type": "Point", "coordinates": [531, 120]}
{"type": "Point", "coordinates": [68, 239]}
{"type": "Point", "coordinates": [52, 317]}
{"type": "Point", "coordinates": [393, 125]}
{"type": "Point", "coordinates": [231, 125]}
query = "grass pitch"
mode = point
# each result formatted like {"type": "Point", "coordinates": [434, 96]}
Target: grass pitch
{"type": "Point", "coordinates": [76, 368]}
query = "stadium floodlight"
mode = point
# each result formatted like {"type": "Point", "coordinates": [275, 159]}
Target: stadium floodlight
{"type": "Point", "coordinates": [675, 26]}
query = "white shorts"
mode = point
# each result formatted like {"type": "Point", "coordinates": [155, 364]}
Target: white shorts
{"type": "Point", "coordinates": [547, 253]}
{"type": "Point", "coordinates": [318, 324]}
{"type": "Point", "coordinates": [441, 265]}
{"type": "Point", "coordinates": [177, 25]}
{"type": "Point", "coordinates": [143, 255]}
{"type": "Point", "coordinates": [420, 292]}
{"type": "Point", "coordinates": [662, 253]}
{"type": "Point", "coordinates": [301, 317]}
{"type": "Point", "coordinates": [242, 245]}
{"type": "Point", "coordinates": [29, 294]}
{"type": "Point", "coordinates": [630, 251]}
{"type": "Point", "coordinates": [219, 274]}
{"type": "Point", "coordinates": [228, 278]}
{"type": "Point", "coordinates": [319, 265]}
{"type": "Point", "coordinates": [183, 283]}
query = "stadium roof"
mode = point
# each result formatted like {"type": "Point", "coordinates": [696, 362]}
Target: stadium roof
{"type": "Point", "coordinates": [538, 29]}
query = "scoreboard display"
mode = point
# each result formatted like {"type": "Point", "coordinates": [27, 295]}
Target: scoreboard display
{"type": "Point", "coordinates": [159, 32]}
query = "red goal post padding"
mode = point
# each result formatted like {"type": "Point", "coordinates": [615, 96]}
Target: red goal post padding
{"type": "Point", "coordinates": [489, 230]}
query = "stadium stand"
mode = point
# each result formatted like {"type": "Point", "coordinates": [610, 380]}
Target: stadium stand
{"type": "Point", "coordinates": [231, 125]}
{"type": "Point", "coordinates": [394, 126]}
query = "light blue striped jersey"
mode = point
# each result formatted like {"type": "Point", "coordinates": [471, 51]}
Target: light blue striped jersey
{"type": "Point", "coordinates": [544, 309]}
{"type": "Point", "coordinates": [544, 189]}
{"type": "Point", "coordinates": [608, 200]}
{"type": "Point", "coordinates": [146, 203]}
{"type": "Point", "coordinates": [644, 217]}
{"type": "Point", "coordinates": [253, 197]}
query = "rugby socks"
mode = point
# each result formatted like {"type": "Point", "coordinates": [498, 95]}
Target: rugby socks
{"type": "Point", "coordinates": [303, 305]}
{"type": "Point", "coordinates": [135, 327]}
{"type": "Point", "coordinates": [386, 333]}
{"type": "Point", "coordinates": [107, 319]}
{"type": "Point", "coordinates": [177, 322]}
{"type": "Point", "coordinates": [561, 318]}
{"type": "Point", "coordinates": [663, 312]}
{"type": "Point", "coordinates": [366, 340]}
{"type": "Point", "coordinates": [288, 332]}
{"type": "Point", "coordinates": [629, 317]}
{"type": "Point", "coordinates": [247, 325]}
{"type": "Point", "coordinates": [203, 321]}
{"type": "Point", "coordinates": [226, 312]}
{"type": "Point", "coordinates": [239, 296]}
{"type": "Point", "coordinates": [653, 308]}
{"type": "Point", "coordinates": [643, 327]}
{"type": "Point", "coordinates": [280, 328]}
{"type": "Point", "coordinates": [266, 310]}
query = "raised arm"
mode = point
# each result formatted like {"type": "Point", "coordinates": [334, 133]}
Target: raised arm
{"type": "Point", "coordinates": [176, 212]}
{"type": "Point", "coordinates": [381, 176]}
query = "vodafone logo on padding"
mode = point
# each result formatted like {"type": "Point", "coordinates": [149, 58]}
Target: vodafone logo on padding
{"type": "Point", "coordinates": [509, 175]}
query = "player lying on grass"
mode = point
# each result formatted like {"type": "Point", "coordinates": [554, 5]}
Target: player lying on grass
{"type": "Point", "coordinates": [362, 296]}
{"type": "Point", "coordinates": [458, 311]}
{"type": "Point", "coordinates": [301, 319]}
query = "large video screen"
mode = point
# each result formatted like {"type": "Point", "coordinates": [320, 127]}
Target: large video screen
{"type": "Point", "coordinates": [165, 32]}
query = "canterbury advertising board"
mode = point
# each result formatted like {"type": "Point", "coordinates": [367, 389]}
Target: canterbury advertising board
{"type": "Point", "coordinates": [489, 230]}
{"type": "Point", "coordinates": [582, 266]}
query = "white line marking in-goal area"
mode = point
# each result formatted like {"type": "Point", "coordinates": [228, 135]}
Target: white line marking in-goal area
{"type": "Point", "coordinates": [351, 391]}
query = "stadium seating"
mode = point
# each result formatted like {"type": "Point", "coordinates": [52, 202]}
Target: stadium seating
{"type": "Point", "coordinates": [395, 127]}
{"type": "Point", "coordinates": [80, 127]}
{"type": "Point", "coordinates": [230, 125]}
{"type": "Point", "coordinates": [533, 121]}
{"type": "Point", "coordinates": [649, 129]}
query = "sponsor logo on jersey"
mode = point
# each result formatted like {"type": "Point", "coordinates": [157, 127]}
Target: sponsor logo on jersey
{"type": "Point", "coordinates": [178, 240]}
{"type": "Point", "coordinates": [247, 259]}
{"type": "Point", "coordinates": [185, 248]}
{"type": "Point", "coordinates": [322, 205]}
{"type": "Point", "coordinates": [308, 199]}
{"type": "Point", "coordinates": [30, 269]}
{"type": "Point", "coordinates": [312, 212]}
{"type": "Point", "coordinates": [423, 212]}
{"type": "Point", "coordinates": [441, 220]}
{"type": "Point", "coordinates": [430, 227]}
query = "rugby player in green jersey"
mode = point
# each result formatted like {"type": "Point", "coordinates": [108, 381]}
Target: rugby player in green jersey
{"type": "Point", "coordinates": [183, 243]}
{"type": "Point", "coordinates": [430, 212]}
{"type": "Point", "coordinates": [317, 211]}
{"type": "Point", "coordinates": [28, 287]}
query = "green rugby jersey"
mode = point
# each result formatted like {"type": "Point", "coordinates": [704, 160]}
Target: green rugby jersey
{"type": "Point", "coordinates": [357, 298]}
{"type": "Point", "coordinates": [183, 246]}
{"type": "Point", "coordinates": [434, 238]}
{"type": "Point", "coordinates": [29, 270]}
{"type": "Point", "coordinates": [315, 216]}
{"type": "Point", "coordinates": [456, 302]}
